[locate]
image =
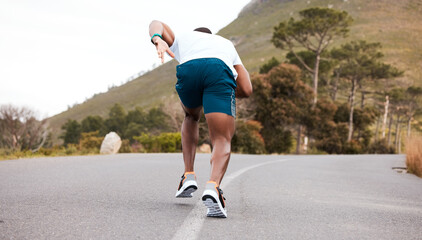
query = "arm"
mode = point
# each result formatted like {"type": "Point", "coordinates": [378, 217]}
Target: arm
{"type": "Point", "coordinates": [162, 45]}
{"type": "Point", "coordinates": [244, 85]}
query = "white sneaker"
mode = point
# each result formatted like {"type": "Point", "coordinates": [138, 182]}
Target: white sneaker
{"type": "Point", "coordinates": [187, 185]}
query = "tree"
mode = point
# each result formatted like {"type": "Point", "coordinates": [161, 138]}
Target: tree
{"type": "Point", "coordinates": [413, 103]}
{"type": "Point", "coordinates": [315, 31]}
{"type": "Point", "coordinates": [384, 87]}
{"type": "Point", "coordinates": [309, 58]}
{"type": "Point", "coordinates": [157, 121]}
{"type": "Point", "coordinates": [282, 100]}
{"type": "Point", "coordinates": [137, 116]}
{"type": "Point", "coordinates": [72, 132]}
{"type": "Point", "coordinates": [92, 124]}
{"type": "Point", "coordinates": [398, 107]}
{"type": "Point", "coordinates": [136, 123]}
{"type": "Point", "coordinates": [116, 120]}
{"type": "Point", "coordinates": [273, 62]}
{"type": "Point", "coordinates": [325, 126]}
{"type": "Point", "coordinates": [359, 62]}
{"type": "Point", "coordinates": [20, 128]}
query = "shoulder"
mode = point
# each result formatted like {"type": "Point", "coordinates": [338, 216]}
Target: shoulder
{"type": "Point", "coordinates": [224, 41]}
{"type": "Point", "coordinates": [183, 35]}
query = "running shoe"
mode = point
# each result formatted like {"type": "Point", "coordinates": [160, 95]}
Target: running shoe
{"type": "Point", "coordinates": [214, 200]}
{"type": "Point", "coordinates": [187, 185]}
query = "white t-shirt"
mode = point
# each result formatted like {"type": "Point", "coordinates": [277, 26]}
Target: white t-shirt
{"type": "Point", "coordinates": [193, 45]}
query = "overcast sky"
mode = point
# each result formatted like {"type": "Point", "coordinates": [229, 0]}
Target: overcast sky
{"type": "Point", "coordinates": [55, 53]}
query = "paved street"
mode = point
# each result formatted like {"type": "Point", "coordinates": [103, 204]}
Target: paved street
{"type": "Point", "coordinates": [131, 196]}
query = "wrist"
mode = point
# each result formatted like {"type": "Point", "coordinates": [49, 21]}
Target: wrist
{"type": "Point", "coordinates": [155, 38]}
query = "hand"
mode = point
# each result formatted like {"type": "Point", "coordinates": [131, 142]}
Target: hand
{"type": "Point", "coordinates": [162, 48]}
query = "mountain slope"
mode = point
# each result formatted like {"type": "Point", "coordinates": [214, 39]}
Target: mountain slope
{"type": "Point", "coordinates": [396, 24]}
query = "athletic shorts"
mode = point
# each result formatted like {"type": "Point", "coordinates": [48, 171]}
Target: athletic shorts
{"type": "Point", "coordinates": [207, 82]}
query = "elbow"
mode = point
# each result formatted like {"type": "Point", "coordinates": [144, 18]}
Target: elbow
{"type": "Point", "coordinates": [154, 23]}
{"type": "Point", "coordinates": [247, 88]}
{"type": "Point", "coordinates": [248, 92]}
{"type": "Point", "coordinates": [244, 92]}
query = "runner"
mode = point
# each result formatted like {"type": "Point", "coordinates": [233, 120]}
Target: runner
{"type": "Point", "coordinates": [210, 75]}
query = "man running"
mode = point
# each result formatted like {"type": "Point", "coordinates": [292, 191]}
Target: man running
{"type": "Point", "coordinates": [210, 75]}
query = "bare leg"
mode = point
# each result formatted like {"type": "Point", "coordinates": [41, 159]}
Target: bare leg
{"type": "Point", "coordinates": [221, 127]}
{"type": "Point", "coordinates": [190, 135]}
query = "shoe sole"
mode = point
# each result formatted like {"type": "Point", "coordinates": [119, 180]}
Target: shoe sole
{"type": "Point", "coordinates": [187, 189]}
{"type": "Point", "coordinates": [215, 209]}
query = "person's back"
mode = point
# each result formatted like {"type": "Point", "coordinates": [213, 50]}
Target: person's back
{"type": "Point", "coordinates": [195, 45]}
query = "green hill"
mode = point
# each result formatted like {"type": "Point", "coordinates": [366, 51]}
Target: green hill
{"type": "Point", "coordinates": [396, 24]}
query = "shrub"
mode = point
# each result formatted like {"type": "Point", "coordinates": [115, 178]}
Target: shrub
{"type": "Point", "coordinates": [277, 140]}
{"type": "Point", "coordinates": [247, 138]}
{"type": "Point", "coordinates": [329, 137]}
{"type": "Point", "coordinates": [414, 155]}
{"type": "Point", "coordinates": [170, 142]}
{"type": "Point", "coordinates": [91, 141]}
{"type": "Point", "coordinates": [380, 147]}
{"type": "Point", "coordinates": [352, 147]}
{"type": "Point", "coordinates": [45, 151]}
{"type": "Point", "coordinates": [165, 142]}
{"type": "Point", "coordinates": [273, 62]}
{"type": "Point", "coordinates": [71, 149]}
{"type": "Point", "coordinates": [125, 147]}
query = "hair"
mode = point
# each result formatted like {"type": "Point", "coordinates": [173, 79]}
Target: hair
{"type": "Point", "coordinates": [203, 29]}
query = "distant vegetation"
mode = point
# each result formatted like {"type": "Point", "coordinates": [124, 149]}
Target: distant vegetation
{"type": "Point", "coordinates": [21, 130]}
{"type": "Point", "coordinates": [140, 131]}
{"type": "Point", "coordinates": [252, 32]}
{"type": "Point", "coordinates": [287, 106]}
{"type": "Point", "coordinates": [330, 81]}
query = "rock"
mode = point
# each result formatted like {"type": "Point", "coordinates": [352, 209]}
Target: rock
{"type": "Point", "coordinates": [111, 143]}
{"type": "Point", "coordinates": [205, 148]}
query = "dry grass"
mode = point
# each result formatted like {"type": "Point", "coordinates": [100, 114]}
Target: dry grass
{"type": "Point", "coordinates": [414, 155]}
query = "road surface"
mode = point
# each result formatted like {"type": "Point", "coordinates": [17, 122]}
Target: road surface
{"type": "Point", "coordinates": [131, 196]}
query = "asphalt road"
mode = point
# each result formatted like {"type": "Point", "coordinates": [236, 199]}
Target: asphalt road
{"type": "Point", "coordinates": [131, 196]}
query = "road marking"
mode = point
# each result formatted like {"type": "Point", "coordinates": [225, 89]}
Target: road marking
{"type": "Point", "coordinates": [192, 225]}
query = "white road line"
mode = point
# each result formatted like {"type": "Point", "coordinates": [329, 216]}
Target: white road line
{"type": "Point", "coordinates": [192, 225]}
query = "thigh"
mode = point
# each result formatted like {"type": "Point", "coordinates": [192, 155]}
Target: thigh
{"type": "Point", "coordinates": [220, 125]}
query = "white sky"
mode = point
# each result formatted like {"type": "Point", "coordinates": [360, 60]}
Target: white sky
{"type": "Point", "coordinates": [55, 53]}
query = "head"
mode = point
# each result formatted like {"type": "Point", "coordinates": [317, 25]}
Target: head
{"type": "Point", "coordinates": [203, 29]}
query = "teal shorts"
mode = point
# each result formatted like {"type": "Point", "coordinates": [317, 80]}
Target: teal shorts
{"type": "Point", "coordinates": [207, 82]}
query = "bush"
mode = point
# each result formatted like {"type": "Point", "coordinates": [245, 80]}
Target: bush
{"type": "Point", "coordinates": [414, 155]}
{"type": "Point", "coordinates": [277, 140]}
{"type": "Point", "coordinates": [352, 147]}
{"type": "Point", "coordinates": [380, 147]}
{"type": "Point", "coordinates": [247, 138]}
{"type": "Point", "coordinates": [4, 152]}
{"type": "Point", "coordinates": [91, 141]}
{"type": "Point", "coordinates": [71, 149]}
{"type": "Point", "coordinates": [273, 62]}
{"type": "Point", "coordinates": [330, 137]}
{"type": "Point", "coordinates": [125, 147]}
{"type": "Point", "coordinates": [45, 151]}
{"type": "Point", "coordinates": [170, 142]}
{"type": "Point", "coordinates": [165, 142]}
